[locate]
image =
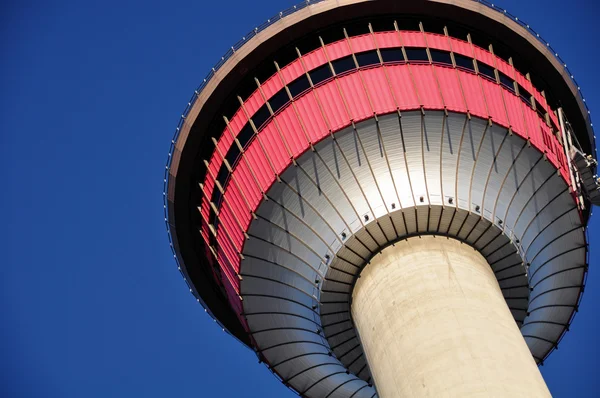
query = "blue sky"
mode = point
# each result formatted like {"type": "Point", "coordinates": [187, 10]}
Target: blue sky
{"type": "Point", "coordinates": [92, 304]}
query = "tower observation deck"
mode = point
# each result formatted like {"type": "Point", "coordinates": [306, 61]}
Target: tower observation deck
{"type": "Point", "coordinates": [388, 198]}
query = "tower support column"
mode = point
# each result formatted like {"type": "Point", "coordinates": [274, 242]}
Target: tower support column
{"type": "Point", "coordinates": [433, 322]}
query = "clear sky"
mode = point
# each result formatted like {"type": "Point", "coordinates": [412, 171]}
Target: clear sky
{"type": "Point", "coordinates": [91, 302]}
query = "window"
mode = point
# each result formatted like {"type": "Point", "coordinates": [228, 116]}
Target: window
{"type": "Point", "coordinates": [464, 62]}
{"type": "Point", "coordinates": [261, 116]}
{"type": "Point", "coordinates": [416, 54]}
{"type": "Point", "coordinates": [506, 81]}
{"type": "Point", "coordinates": [442, 57]}
{"type": "Point", "coordinates": [486, 70]}
{"type": "Point", "coordinates": [320, 74]}
{"type": "Point", "coordinates": [299, 85]}
{"type": "Point", "coordinates": [244, 136]}
{"type": "Point", "coordinates": [343, 65]}
{"type": "Point", "coordinates": [367, 58]}
{"type": "Point", "coordinates": [392, 55]}
{"type": "Point", "coordinates": [525, 95]}
{"type": "Point", "coordinates": [279, 100]}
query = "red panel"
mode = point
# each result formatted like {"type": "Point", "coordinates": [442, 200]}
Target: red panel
{"type": "Point", "coordinates": [243, 177]}
{"type": "Point", "coordinates": [505, 67]}
{"type": "Point", "coordinates": [274, 146]}
{"type": "Point", "coordinates": [311, 117]}
{"type": "Point", "coordinates": [339, 49]}
{"type": "Point", "coordinates": [234, 197]}
{"type": "Point", "coordinates": [356, 97]}
{"type": "Point", "coordinates": [254, 102]}
{"type": "Point", "coordinates": [333, 105]}
{"type": "Point", "coordinates": [438, 42]}
{"type": "Point", "coordinates": [412, 39]}
{"type": "Point", "coordinates": [551, 144]}
{"type": "Point", "coordinates": [540, 99]}
{"type": "Point", "coordinates": [484, 56]}
{"type": "Point", "coordinates": [292, 131]}
{"type": "Point", "coordinates": [379, 90]}
{"type": "Point", "coordinates": [493, 97]}
{"type": "Point", "coordinates": [231, 228]}
{"type": "Point", "coordinates": [272, 86]}
{"type": "Point", "coordinates": [225, 142]}
{"type": "Point", "coordinates": [427, 88]}
{"type": "Point", "coordinates": [450, 87]}
{"type": "Point", "coordinates": [473, 94]}
{"type": "Point", "coordinates": [523, 82]}
{"type": "Point", "coordinates": [362, 43]}
{"type": "Point", "coordinates": [387, 39]}
{"type": "Point", "coordinates": [515, 114]}
{"type": "Point", "coordinates": [292, 71]}
{"type": "Point", "coordinates": [404, 91]}
{"type": "Point", "coordinates": [259, 164]}
{"type": "Point", "coordinates": [533, 127]}
{"type": "Point", "coordinates": [314, 59]}
{"type": "Point", "coordinates": [461, 47]}
{"type": "Point", "coordinates": [237, 122]}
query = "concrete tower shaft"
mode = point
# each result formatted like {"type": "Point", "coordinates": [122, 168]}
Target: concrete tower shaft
{"type": "Point", "coordinates": [433, 322]}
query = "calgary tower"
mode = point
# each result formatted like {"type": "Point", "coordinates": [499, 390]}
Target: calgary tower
{"type": "Point", "coordinates": [388, 198]}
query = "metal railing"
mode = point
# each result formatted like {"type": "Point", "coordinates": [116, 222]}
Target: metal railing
{"type": "Point", "coordinates": [241, 43]}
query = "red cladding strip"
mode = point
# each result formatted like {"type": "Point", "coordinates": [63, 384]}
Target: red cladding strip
{"type": "Point", "coordinates": [356, 97]}
{"type": "Point", "coordinates": [493, 97]}
{"type": "Point", "coordinates": [254, 103]}
{"type": "Point", "coordinates": [402, 86]}
{"type": "Point", "coordinates": [461, 47]}
{"type": "Point", "coordinates": [387, 39]}
{"type": "Point", "coordinates": [292, 71]}
{"type": "Point", "coordinates": [272, 86]}
{"type": "Point", "coordinates": [292, 131]}
{"type": "Point", "coordinates": [533, 128]}
{"type": "Point", "coordinates": [450, 87]}
{"type": "Point", "coordinates": [515, 112]}
{"type": "Point", "coordinates": [314, 59]}
{"type": "Point", "coordinates": [333, 106]}
{"type": "Point", "coordinates": [379, 88]}
{"type": "Point", "coordinates": [427, 88]}
{"type": "Point", "coordinates": [311, 116]}
{"type": "Point", "coordinates": [438, 42]}
{"type": "Point", "coordinates": [483, 56]}
{"type": "Point", "coordinates": [362, 43]}
{"type": "Point", "coordinates": [237, 122]}
{"type": "Point", "coordinates": [413, 39]}
{"type": "Point", "coordinates": [246, 182]}
{"type": "Point", "coordinates": [259, 163]}
{"type": "Point", "coordinates": [505, 67]}
{"type": "Point", "coordinates": [275, 147]}
{"type": "Point", "coordinates": [339, 49]}
{"type": "Point", "coordinates": [473, 95]}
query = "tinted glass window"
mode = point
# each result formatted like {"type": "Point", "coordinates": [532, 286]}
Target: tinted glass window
{"type": "Point", "coordinates": [434, 26]}
{"type": "Point", "coordinates": [408, 24]}
{"type": "Point", "coordinates": [526, 95]}
{"type": "Point", "coordinates": [506, 81]}
{"type": "Point", "coordinates": [278, 100]}
{"type": "Point", "coordinates": [308, 44]}
{"type": "Point", "coordinates": [261, 116]}
{"type": "Point", "coordinates": [367, 58]}
{"type": "Point", "coordinates": [243, 137]}
{"type": "Point", "coordinates": [286, 56]}
{"type": "Point", "coordinates": [440, 56]}
{"type": "Point", "coordinates": [392, 55]}
{"type": "Point", "coordinates": [464, 62]}
{"type": "Point", "coordinates": [486, 70]}
{"type": "Point", "coordinates": [299, 85]}
{"type": "Point", "coordinates": [320, 74]}
{"type": "Point", "coordinates": [416, 54]}
{"type": "Point", "coordinates": [343, 64]}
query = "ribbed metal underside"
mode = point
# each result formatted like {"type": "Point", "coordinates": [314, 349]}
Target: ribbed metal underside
{"type": "Point", "coordinates": [384, 180]}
